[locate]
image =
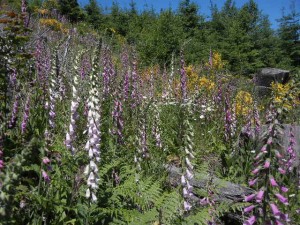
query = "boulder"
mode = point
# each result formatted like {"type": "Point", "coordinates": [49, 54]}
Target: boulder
{"type": "Point", "coordinates": [264, 78]}
{"type": "Point", "coordinates": [268, 75]}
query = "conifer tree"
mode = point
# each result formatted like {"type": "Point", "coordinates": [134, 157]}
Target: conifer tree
{"type": "Point", "coordinates": [94, 14]}
{"type": "Point", "coordinates": [289, 33]}
{"type": "Point", "coordinates": [71, 9]}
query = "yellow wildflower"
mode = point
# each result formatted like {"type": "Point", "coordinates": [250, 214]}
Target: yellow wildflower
{"type": "Point", "coordinates": [244, 102]}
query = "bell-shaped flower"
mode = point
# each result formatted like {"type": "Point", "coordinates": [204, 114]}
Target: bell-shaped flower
{"type": "Point", "coordinates": [260, 196]}
{"type": "Point", "coordinates": [249, 197]}
{"type": "Point", "coordinates": [250, 221]}
{"type": "Point", "coordinates": [282, 199]}
{"type": "Point", "coordinates": [275, 210]}
{"type": "Point", "coordinates": [187, 206]}
{"type": "Point", "coordinates": [249, 208]}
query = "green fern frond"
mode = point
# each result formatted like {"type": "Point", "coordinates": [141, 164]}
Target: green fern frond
{"type": "Point", "coordinates": [200, 218]}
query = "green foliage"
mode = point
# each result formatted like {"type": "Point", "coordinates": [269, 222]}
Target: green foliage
{"type": "Point", "coordinates": [71, 10]}
{"type": "Point", "coordinates": [289, 37]}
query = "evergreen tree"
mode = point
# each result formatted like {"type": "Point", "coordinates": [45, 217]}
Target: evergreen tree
{"type": "Point", "coordinates": [160, 39]}
{"type": "Point", "coordinates": [289, 32]}
{"type": "Point", "coordinates": [71, 9]}
{"type": "Point", "coordinates": [188, 12]}
{"type": "Point", "coordinates": [94, 14]}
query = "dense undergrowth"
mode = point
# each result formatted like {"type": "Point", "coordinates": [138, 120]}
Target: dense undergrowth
{"type": "Point", "coordinates": [87, 136]}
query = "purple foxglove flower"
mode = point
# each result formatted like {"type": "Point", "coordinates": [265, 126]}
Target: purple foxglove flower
{"type": "Point", "coordinates": [249, 197]}
{"type": "Point", "coordinates": [250, 221]}
{"type": "Point", "coordinates": [259, 155]}
{"type": "Point", "coordinates": [260, 196]}
{"type": "Point", "coordinates": [204, 201]}
{"type": "Point", "coordinates": [187, 206]}
{"type": "Point", "coordinates": [284, 189]}
{"type": "Point", "coordinates": [183, 78]}
{"type": "Point", "coordinates": [249, 208]}
{"type": "Point", "coordinates": [46, 160]}
{"type": "Point", "coordinates": [256, 170]}
{"type": "Point", "coordinates": [273, 182]}
{"type": "Point", "coordinates": [282, 199]}
{"type": "Point", "coordinates": [278, 155]}
{"type": "Point", "coordinates": [267, 164]}
{"type": "Point", "coordinates": [252, 182]}
{"type": "Point", "coordinates": [14, 113]}
{"type": "Point", "coordinates": [275, 209]}
{"type": "Point", "coordinates": [285, 217]}
{"type": "Point", "coordinates": [264, 149]}
{"type": "Point", "coordinates": [282, 171]}
{"type": "Point", "coordinates": [25, 115]}
{"type": "Point", "coordinates": [270, 141]}
{"type": "Point", "coordinates": [45, 176]}
{"type": "Point", "coordinates": [185, 192]}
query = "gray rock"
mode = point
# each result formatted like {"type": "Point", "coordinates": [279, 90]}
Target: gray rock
{"type": "Point", "coordinates": [268, 75]}
{"type": "Point", "coordinates": [225, 191]}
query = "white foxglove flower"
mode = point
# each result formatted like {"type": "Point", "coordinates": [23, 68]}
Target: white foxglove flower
{"type": "Point", "coordinates": [183, 181]}
{"type": "Point", "coordinates": [88, 193]}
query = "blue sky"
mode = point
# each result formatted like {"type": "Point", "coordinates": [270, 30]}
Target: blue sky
{"type": "Point", "coordinates": [272, 8]}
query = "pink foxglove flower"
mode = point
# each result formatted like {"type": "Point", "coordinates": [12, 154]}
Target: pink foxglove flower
{"type": "Point", "coordinates": [282, 171]}
{"type": "Point", "coordinates": [46, 160]}
{"type": "Point", "coordinates": [256, 170]}
{"type": "Point", "coordinates": [45, 176]}
{"type": "Point", "coordinates": [183, 78]}
{"type": "Point", "coordinates": [260, 195]}
{"type": "Point", "coordinates": [282, 199]}
{"type": "Point", "coordinates": [25, 115]}
{"type": "Point", "coordinates": [267, 164]}
{"type": "Point", "coordinates": [249, 208]}
{"type": "Point", "coordinates": [252, 182]}
{"type": "Point", "coordinates": [275, 209]}
{"type": "Point", "coordinates": [249, 197]}
{"type": "Point", "coordinates": [273, 182]}
{"type": "Point", "coordinates": [250, 221]}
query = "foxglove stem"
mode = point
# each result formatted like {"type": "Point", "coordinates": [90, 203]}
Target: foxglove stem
{"type": "Point", "coordinates": [118, 122]}
{"type": "Point", "coordinates": [25, 115]}
{"type": "Point", "coordinates": [94, 134]}
{"type": "Point", "coordinates": [134, 83]}
{"type": "Point", "coordinates": [156, 126]}
{"type": "Point", "coordinates": [14, 112]}
{"type": "Point", "coordinates": [189, 156]}
{"type": "Point", "coordinates": [126, 78]}
{"type": "Point", "coordinates": [256, 120]}
{"type": "Point", "coordinates": [183, 78]}
{"type": "Point", "coordinates": [290, 152]}
{"type": "Point", "coordinates": [106, 73]}
{"type": "Point", "coordinates": [267, 164]}
{"type": "Point", "coordinates": [71, 135]}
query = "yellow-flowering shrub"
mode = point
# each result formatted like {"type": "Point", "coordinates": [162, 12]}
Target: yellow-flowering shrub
{"type": "Point", "coordinates": [52, 23]}
{"type": "Point", "coordinates": [243, 103]}
{"type": "Point", "coordinates": [194, 82]}
{"type": "Point", "coordinates": [42, 11]}
{"type": "Point", "coordinates": [283, 96]}
{"type": "Point", "coordinates": [206, 84]}
{"type": "Point", "coordinates": [192, 78]}
{"type": "Point", "coordinates": [217, 62]}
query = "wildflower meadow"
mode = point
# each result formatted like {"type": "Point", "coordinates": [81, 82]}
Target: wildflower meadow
{"type": "Point", "coordinates": [90, 134]}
